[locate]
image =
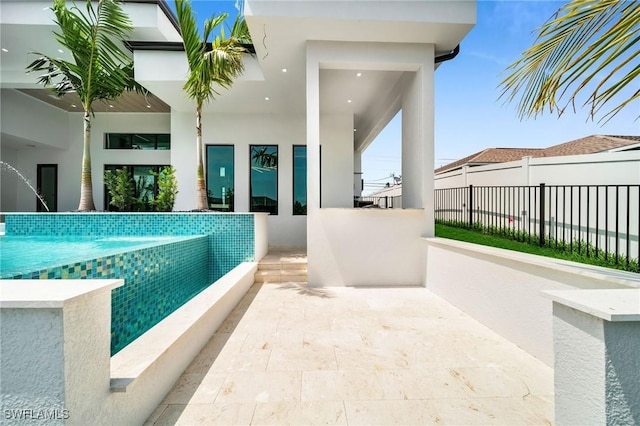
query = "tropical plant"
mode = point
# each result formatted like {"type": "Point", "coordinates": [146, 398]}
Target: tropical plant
{"type": "Point", "coordinates": [121, 189]}
{"type": "Point", "coordinates": [212, 66]}
{"type": "Point", "coordinates": [167, 189]}
{"type": "Point", "coordinates": [99, 69]}
{"type": "Point", "coordinates": [143, 192]}
{"type": "Point", "coordinates": [587, 43]}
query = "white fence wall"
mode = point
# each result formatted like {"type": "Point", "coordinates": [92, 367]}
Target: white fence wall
{"type": "Point", "coordinates": [609, 168]}
{"type": "Point", "coordinates": [604, 216]}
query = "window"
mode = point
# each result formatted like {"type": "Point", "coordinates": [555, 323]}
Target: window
{"type": "Point", "coordinates": [48, 187]}
{"type": "Point", "coordinates": [146, 141]}
{"type": "Point", "coordinates": [299, 180]}
{"type": "Point", "coordinates": [263, 179]}
{"type": "Point", "coordinates": [145, 185]}
{"type": "Point", "coordinates": [220, 177]}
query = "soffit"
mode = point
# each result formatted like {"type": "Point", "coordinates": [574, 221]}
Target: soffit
{"type": "Point", "coordinates": [128, 102]}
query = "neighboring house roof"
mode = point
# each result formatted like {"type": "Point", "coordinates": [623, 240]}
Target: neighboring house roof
{"type": "Point", "coordinates": [590, 145]}
{"type": "Point", "coordinates": [493, 155]}
{"type": "Point", "coordinates": [587, 145]}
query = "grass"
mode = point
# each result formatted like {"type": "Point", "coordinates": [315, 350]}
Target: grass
{"type": "Point", "coordinates": [478, 236]}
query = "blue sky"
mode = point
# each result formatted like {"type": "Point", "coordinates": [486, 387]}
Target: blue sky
{"type": "Point", "coordinates": [468, 115]}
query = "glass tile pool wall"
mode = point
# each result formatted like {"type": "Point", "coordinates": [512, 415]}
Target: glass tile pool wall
{"type": "Point", "coordinates": [231, 235]}
{"type": "Point", "coordinates": [158, 279]}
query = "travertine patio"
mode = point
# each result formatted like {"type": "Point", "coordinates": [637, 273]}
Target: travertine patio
{"type": "Point", "coordinates": [289, 354]}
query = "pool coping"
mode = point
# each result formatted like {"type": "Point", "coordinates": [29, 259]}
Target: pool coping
{"type": "Point", "coordinates": [168, 347]}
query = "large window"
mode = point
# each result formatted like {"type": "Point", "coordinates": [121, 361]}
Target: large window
{"type": "Point", "coordinates": [145, 185]}
{"type": "Point", "coordinates": [299, 180]}
{"type": "Point", "coordinates": [263, 181]}
{"type": "Point", "coordinates": [220, 177]}
{"type": "Point", "coordinates": [147, 141]}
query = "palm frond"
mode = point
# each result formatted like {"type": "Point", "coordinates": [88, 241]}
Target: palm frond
{"type": "Point", "coordinates": [211, 67]}
{"type": "Point", "coordinates": [588, 45]}
{"type": "Point", "coordinates": [100, 69]}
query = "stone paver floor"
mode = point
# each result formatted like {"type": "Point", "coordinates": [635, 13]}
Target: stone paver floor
{"type": "Point", "coordinates": [289, 354]}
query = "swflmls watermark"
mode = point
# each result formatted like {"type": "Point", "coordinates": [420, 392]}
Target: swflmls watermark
{"type": "Point", "coordinates": [35, 414]}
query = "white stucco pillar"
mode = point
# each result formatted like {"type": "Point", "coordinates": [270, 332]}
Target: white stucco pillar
{"type": "Point", "coordinates": [313, 133]}
{"type": "Point", "coordinates": [55, 355]}
{"type": "Point", "coordinates": [596, 339]}
{"type": "Point", "coordinates": [418, 138]}
{"type": "Point", "coordinates": [357, 174]}
{"type": "Point", "coordinates": [183, 158]}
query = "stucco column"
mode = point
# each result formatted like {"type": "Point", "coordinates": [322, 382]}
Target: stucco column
{"type": "Point", "coordinates": [55, 353]}
{"type": "Point", "coordinates": [357, 173]}
{"type": "Point", "coordinates": [313, 133]}
{"type": "Point", "coordinates": [418, 136]}
{"type": "Point", "coordinates": [596, 339]}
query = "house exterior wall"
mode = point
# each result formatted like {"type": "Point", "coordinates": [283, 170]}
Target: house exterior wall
{"type": "Point", "coordinates": [67, 153]}
{"type": "Point", "coordinates": [241, 130]}
{"type": "Point", "coordinates": [342, 243]}
{"type": "Point", "coordinates": [28, 119]}
{"type": "Point", "coordinates": [285, 131]}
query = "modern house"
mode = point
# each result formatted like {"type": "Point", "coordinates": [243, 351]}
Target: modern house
{"type": "Point", "coordinates": [325, 78]}
{"type": "Point", "coordinates": [323, 81]}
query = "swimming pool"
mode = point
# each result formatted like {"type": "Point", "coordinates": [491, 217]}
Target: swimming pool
{"type": "Point", "coordinates": [24, 254]}
{"type": "Point", "coordinates": [165, 258]}
{"type": "Point", "coordinates": [160, 273]}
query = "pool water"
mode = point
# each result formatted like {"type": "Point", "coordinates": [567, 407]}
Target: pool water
{"type": "Point", "coordinates": [28, 253]}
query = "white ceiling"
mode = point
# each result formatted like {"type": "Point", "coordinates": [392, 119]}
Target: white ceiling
{"type": "Point", "coordinates": [279, 33]}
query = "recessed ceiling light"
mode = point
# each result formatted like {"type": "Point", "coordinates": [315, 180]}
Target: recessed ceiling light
{"type": "Point", "coordinates": [354, 130]}
{"type": "Point", "coordinates": [348, 100]}
{"type": "Point", "coordinates": [148, 106]}
{"type": "Point", "coordinates": [73, 105]}
{"type": "Point", "coordinates": [110, 106]}
{"type": "Point", "coordinates": [60, 50]}
{"type": "Point", "coordinates": [4, 50]}
{"type": "Point", "coordinates": [359, 74]}
{"type": "Point", "coordinates": [284, 70]}
{"type": "Point", "coordinates": [266, 98]}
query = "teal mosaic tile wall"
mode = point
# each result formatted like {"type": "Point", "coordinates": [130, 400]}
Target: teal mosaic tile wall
{"type": "Point", "coordinates": [231, 236]}
{"type": "Point", "coordinates": [157, 280]}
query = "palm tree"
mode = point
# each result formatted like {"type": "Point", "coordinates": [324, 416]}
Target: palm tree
{"type": "Point", "coordinates": [586, 42]}
{"type": "Point", "coordinates": [100, 70]}
{"type": "Point", "coordinates": [212, 66]}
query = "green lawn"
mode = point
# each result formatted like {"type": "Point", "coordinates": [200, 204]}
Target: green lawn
{"type": "Point", "coordinates": [478, 237]}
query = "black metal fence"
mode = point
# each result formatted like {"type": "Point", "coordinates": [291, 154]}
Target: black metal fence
{"type": "Point", "coordinates": [598, 220]}
{"type": "Point", "coordinates": [388, 202]}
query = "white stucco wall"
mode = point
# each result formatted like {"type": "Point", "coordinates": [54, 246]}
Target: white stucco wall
{"type": "Point", "coordinates": [8, 181]}
{"type": "Point", "coordinates": [69, 157]}
{"type": "Point", "coordinates": [352, 247]}
{"type": "Point", "coordinates": [596, 337]}
{"type": "Point", "coordinates": [502, 288]}
{"type": "Point", "coordinates": [285, 131]}
{"type": "Point", "coordinates": [32, 120]}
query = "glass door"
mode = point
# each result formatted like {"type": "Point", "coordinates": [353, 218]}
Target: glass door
{"type": "Point", "coordinates": [48, 187]}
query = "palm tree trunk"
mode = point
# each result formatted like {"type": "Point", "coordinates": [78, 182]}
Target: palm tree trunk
{"type": "Point", "coordinates": [201, 194]}
{"type": "Point", "coordinates": [86, 186]}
